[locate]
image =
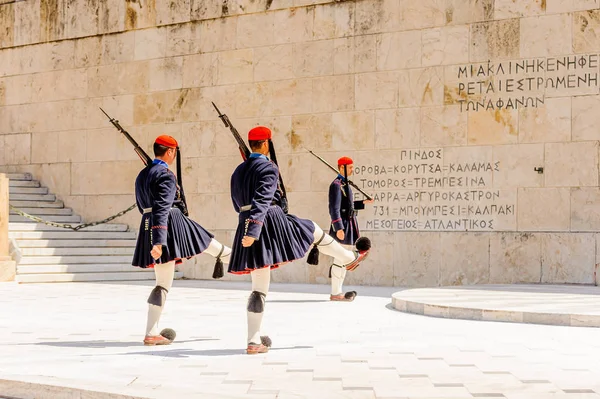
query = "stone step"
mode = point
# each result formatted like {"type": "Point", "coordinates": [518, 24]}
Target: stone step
{"type": "Point", "coordinates": [143, 274]}
{"type": "Point", "coordinates": [73, 219]}
{"type": "Point", "coordinates": [19, 176]}
{"type": "Point", "coordinates": [35, 204]}
{"type": "Point", "coordinates": [72, 251]}
{"type": "Point", "coordinates": [32, 197]}
{"type": "Point", "coordinates": [54, 254]}
{"type": "Point", "coordinates": [83, 243]}
{"type": "Point", "coordinates": [23, 183]}
{"type": "Point", "coordinates": [27, 190]}
{"type": "Point", "coordinates": [76, 268]}
{"type": "Point", "coordinates": [72, 235]}
{"type": "Point", "coordinates": [14, 227]}
{"type": "Point", "coordinates": [73, 260]}
{"type": "Point", "coordinates": [43, 211]}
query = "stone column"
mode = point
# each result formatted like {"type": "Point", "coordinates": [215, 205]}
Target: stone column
{"type": "Point", "coordinates": [7, 266]}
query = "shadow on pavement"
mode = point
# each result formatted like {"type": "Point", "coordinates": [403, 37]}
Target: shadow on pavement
{"type": "Point", "coordinates": [321, 289]}
{"type": "Point", "coordinates": [296, 300]}
{"type": "Point", "coordinates": [183, 353]}
{"type": "Point", "coordinates": [105, 344]}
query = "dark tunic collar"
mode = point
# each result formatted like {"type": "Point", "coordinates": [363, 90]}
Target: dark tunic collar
{"type": "Point", "coordinates": [258, 155]}
{"type": "Point", "coordinates": [160, 162]}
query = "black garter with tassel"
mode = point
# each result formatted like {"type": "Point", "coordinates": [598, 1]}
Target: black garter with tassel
{"type": "Point", "coordinates": [218, 271]}
{"type": "Point", "coordinates": [313, 255]}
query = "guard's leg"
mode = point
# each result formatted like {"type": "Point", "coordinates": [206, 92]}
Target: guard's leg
{"type": "Point", "coordinates": [256, 307]}
{"type": "Point", "coordinates": [344, 258]}
{"type": "Point", "coordinates": [338, 273]}
{"type": "Point", "coordinates": [218, 250]}
{"type": "Point", "coordinates": [329, 246]}
{"type": "Point", "coordinates": [156, 301]}
{"type": "Point", "coordinates": [222, 254]}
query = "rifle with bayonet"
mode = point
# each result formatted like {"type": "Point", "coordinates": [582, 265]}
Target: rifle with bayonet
{"type": "Point", "coordinates": [180, 202]}
{"type": "Point", "coordinates": [138, 150]}
{"type": "Point", "coordinates": [245, 152]}
{"type": "Point", "coordinates": [350, 182]}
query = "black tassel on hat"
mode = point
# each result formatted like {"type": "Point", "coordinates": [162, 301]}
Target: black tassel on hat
{"type": "Point", "coordinates": [183, 202]}
{"type": "Point", "coordinates": [283, 202]}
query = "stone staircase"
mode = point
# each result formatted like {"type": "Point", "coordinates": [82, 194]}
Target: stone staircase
{"type": "Point", "coordinates": [54, 254]}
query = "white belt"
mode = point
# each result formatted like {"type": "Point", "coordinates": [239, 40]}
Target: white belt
{"type": "Point", "coordinates": [245, 208]}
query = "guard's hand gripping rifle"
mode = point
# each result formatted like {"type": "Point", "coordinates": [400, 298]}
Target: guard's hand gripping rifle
{"type": "Point", "coordinates": [245, 152]}
{"type": "Point", "coordinates": [181, 202]}
{"type": "Point", "coordinates": [350, 182]}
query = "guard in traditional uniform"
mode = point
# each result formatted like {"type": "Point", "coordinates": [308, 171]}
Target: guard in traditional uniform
{"type": "Point", "coordinates": [267, 237]}
{"type": "Point", "coordinates": [344, 226]}
{"type": "Point", "coordinates": [166, 235]}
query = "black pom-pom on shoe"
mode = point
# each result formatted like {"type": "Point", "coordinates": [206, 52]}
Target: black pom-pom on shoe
{"type": "Point", "coordinates": [363, 244]}
{"type": "Point", "coordinates": [169, 334]}
{"type": "Point", "coordinates": [350, 295]}
{"type": "Point", "coordinates": [266, 341]}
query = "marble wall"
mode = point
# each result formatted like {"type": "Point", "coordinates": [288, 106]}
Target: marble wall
{"type": "Point", "coordinates": [472, 122]}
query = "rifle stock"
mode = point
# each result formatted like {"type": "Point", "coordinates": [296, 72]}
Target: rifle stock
{"type": "Point", "coordinates": [350, 182]}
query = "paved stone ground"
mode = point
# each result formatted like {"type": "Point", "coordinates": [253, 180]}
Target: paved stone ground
{"type": "Point", "coordinates": [567, 305]}
{"type": "Point", "coordinates": [88, 336]}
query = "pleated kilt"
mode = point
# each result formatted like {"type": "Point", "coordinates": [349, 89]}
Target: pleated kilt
{"type": "Point", "coordinates": [351, 233]}
{"type": "Point", "coordinates": [185, 239]}
{"type": "Point", "coordinates": [284, 238]}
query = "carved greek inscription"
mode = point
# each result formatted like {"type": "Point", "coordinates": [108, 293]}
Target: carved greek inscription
{"type": "Point", "coordinates": [524, 83]}
{"type": "Point", "coordinates": [419, 191]}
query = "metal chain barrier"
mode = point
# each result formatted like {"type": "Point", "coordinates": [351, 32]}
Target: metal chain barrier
{"type": "Point", "coordinates": [68, 226]}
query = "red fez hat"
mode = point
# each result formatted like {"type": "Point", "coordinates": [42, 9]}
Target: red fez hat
{"type": "Point", "coordinates": [259, 133]}
{"type": "Point", "coordinates": [167, 141]}
{"type": "Point", "coordinates": [345, 161]}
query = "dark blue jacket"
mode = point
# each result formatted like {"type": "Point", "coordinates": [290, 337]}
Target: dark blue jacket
{"type": "Point", "coordinates": [342, 210]}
